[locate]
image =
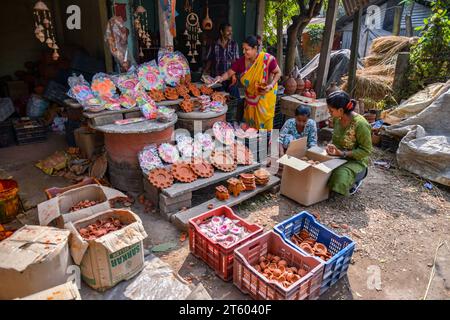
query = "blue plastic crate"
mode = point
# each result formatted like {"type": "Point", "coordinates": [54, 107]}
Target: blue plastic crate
{"type": "Point", "coordinates": [340, 246]}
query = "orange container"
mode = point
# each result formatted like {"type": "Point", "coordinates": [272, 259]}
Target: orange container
{"type": "Point", "coordinates": [9, 200]}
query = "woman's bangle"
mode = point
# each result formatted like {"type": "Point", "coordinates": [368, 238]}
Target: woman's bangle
{"type": "Point", "coordinates": [344, 154]}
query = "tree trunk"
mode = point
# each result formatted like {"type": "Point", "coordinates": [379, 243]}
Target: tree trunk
{"type": "Point", "coordinates": [280, 39]}
{"type": "Point", "coordinates": [408, 22]}
{"type": "Point", "coordinates": [291, 48]}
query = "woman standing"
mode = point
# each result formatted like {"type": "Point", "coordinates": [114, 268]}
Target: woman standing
{"type": "Point", "coordinates": [296, 128]}
{"type": "Point", "coordinates": [352, 140]}
{"type": "Point", "coordinates": [259, 76]}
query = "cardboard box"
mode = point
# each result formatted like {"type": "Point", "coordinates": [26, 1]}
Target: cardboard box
{"type": "Point", "coordinates": [89, 142]}
{"type": "Point", "coordinates": [56, 210]}
{"type": "Point", "coordinates": [33, 259]}
{"type": "Point", "coordinates": [319, 108]}
{"type": "Point", "coordinates": [302, 181]}
{"type": "Point", "coordinates": [66, 291]}
{"type": "Point", "coordinates": [115, 257]}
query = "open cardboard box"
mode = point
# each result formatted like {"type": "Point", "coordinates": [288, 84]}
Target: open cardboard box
{"type": "Point", "coordinates": [303, 182]}
{"type": "Point", "coordinates": [57, 209]}
{"type": "Point", "coordinates": [66, 291]}
{"type": "Point", "coordinates": [114, 257]}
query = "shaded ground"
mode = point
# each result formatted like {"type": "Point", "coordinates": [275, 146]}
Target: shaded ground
{"type": "Point", "coordinates": [396, 222]}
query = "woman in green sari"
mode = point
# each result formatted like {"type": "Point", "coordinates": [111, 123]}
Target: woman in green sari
{"type": "Point", "coordinates": [352, 140]}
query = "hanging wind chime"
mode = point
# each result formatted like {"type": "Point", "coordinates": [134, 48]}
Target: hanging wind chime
{"type": "Point", "coordinates": [141, 27]}
{"type": "Point", "coordinates": [192, 33]}
{"type": "Point", "coordinates": [44, 28]}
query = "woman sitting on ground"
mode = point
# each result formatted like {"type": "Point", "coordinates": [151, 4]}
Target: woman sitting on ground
{"type": "Point", "coordinates": [296, 128]}
{"type": "Point", "coordinates": [352, 140]}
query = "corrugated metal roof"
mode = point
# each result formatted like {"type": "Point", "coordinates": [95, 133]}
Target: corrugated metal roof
{"type": "Point", "coordinates": [420, 13]}
{"type": "Point", "coordinates": [351, 6]}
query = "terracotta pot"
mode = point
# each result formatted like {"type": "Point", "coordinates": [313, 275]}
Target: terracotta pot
{"type": "Point", "coordinates": [313, 94]}
{"type": "Point", "coordinates": [308, 84]}
{"type": "Point", "coordinates": [307, 94]}
{"type": "Point", "coordinates": [290, 86]}
{"type": "Point", "coordinates": [300, 84]}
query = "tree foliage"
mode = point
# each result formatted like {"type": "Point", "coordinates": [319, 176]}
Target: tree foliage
{"type": "Point", "coordinates": [289, 8]}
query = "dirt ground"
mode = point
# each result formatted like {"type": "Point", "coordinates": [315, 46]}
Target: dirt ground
{"type": "Point", "coordinates": [402, 229]}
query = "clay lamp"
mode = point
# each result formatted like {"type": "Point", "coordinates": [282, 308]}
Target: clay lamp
{"type": "Point", "coordinates": [182, 90]}
{"type": "Point", "coordinates": [160, 178]}
{"type": "Point", "coordinates": [304, 234]}
{"type": "Point", "coordinates": [218, 97]}
{"type": "Point", "coordinates": [157, 95]}
{"type": "Point", "coordinates": [286, 284]}
{"type": "Point", "coordinates": [320, 249]}
{"type": "Point", "coordinates": [171, 94]}
{"type": "Point", "coordinates": [223, 161]}
{"type": "Point", "coordinates": [194, 90]}
{"type": "Point", "coordinates": [202, 169]}
{"type": "Point", "coordinates": [183, 172]}
{"type": "Point", "coordinates": [206, 90]}
{"type": "Point", "coordinates": [307, 248]}
{"type": "Point", "coordinates": [235, 186]}
{"type": "Point", "coordinates": [187, 106]}
{"type": "Point", "coordinates": [222, 193]}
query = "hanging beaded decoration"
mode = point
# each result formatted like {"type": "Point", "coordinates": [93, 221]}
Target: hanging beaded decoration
{"type": "Point", "coordinates": [141, 27]}
{"type": "Point", "coordinates": [192, 33]}
{"type": "Point", "coordinates": [44, 28]}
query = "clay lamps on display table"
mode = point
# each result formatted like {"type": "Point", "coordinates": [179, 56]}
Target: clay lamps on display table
{"type": "Point", "coordinates": [223, 161]}
{"type": "Point", "coordinates": [161, 178]}
{"type": "Point", "coordinates": [222, 193]}
{"type": "Point", "coordinates": [183, 172]}
{"type": "Point", "coordinates": [235, 186]}
{"type": "Point", "coordinates": [202, 168]}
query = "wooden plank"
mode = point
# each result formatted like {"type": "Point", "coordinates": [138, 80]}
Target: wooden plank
{"type": "Point", "coordinates": [179, 188]}
{"type": "Point", "coordinates": [356, 33]}
{"type": "Point", "coordinates": [327, 44]}
{"type": "Point", "coordinates": [397, 20]}
{"type": "Point", "coordinates": [181, 219]}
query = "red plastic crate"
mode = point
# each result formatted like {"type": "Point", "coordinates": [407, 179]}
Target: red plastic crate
{"type": "Point", "coordinates": [251, 282]}
{"type": "Point", "coordinates": [214, 253]}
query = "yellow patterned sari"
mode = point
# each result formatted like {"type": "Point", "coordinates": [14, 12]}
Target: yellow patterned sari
{"type": "Point", "coordinates": [259, 109]}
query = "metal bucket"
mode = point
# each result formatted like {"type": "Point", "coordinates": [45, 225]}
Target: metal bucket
{"type": "Point", "coordinates": [9, 200]}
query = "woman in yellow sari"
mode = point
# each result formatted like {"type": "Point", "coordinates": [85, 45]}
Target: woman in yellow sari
{"type": "Point", "coordinates": [259, 72]}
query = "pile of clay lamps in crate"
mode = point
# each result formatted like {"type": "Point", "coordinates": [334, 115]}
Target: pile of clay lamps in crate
{"type": "Point", "coordinates": [274, 268]}
{"type": "Point", "coordinates": [310, 246]}
{"type": "Point", "coordinates": [83, 205]}
{"type": "Point", "coordinates": [100, 228]}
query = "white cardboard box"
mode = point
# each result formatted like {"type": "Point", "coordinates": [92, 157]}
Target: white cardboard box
{"type": "Point", "coordinates": [57, 209]}
{"type": "Point", "coordinates": [33, 259]}
{"type": "Point", "coordinates": [115, 257]}
{"type": "Point", "coordinates": [303, 182]}
{"type": "Point", "coordinates": [66, 291]}
{"type": "Point", "coordinates": [319, 107]}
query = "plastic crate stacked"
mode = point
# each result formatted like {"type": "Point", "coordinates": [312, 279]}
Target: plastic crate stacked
{"type": "Point", "coordinates": [30, 131]}
{"type": "Point", "coordinates": [341, 247]}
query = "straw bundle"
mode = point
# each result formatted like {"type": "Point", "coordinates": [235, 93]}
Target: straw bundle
{"type": "Point", "coordinates": [391, 45]}
{"type": "Point", "coordinates": [372, 86]}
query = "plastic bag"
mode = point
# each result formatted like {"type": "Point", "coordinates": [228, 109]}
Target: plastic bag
{"type": "Point", "coordinates": [103, 86]}
{"type": "Point", "coordinates": [128, 83]}
{"type": "Point", "coordinates": [150, 76]}
{"type": "Point", "coordinates": [148, 106]}
{"type": "Point", "coordinates": [149, 159]}
{"type": "Point", "coordinates": [117, 38]}
{"type": "Point", "coordinates": [172, 66]}
{"type": "Point", "coordinates": [36, 106]}
{"type": "Point", "coordinates": [80, 90]}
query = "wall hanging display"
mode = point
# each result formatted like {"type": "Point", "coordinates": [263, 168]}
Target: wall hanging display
{"type": "Point", "coordinates": [141, 28]}
{"type": "Point", "coordinates": [44, 30]}
{"type": "Point", "coordinates": [192, 34]}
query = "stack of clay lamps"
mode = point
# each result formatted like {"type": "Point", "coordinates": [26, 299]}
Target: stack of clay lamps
{"type": "Point", "coordinates": [312, 162]}
{"type": "Point", "coordinates": [223, 161]}
{"type": "Point", "coordinates": [194, 90]}
{"type": "Point", "coordinates": [249, 181]}
{"type": "Point", "coordinates": [83, 205]}
{"type": "Point", "coordinates": [202, 169]}
{"type": "Point", "coordinates": [171, 94]}
{"type": "Point", "coordinates": [100, 228]}
{"type": "Point", "coordinates": [311, 246]}
{"type": "Point", "coordinates": [262, 177]}
{"type": "Point", "coordinates": [157, 95]}
{"type": "Point", "coordinates": [182, 90]}
{"type": "Point", "coordinates": [273, 268]}
{"type": "Point", "coordinates": [242, 155]}
{"type": "Point", "coordinates": [222, 193]}
{"type": "Point", "coordinates": [235, 186]}
{"type": "Point", "coordinates": [187, 105]}
{"type": "Point", "coordinates": [44, 28]}
{"type": "Point", "coordinates": [183, 172]}
{"type": "Point", "coordinates": [160, 178]}
{"type": "Point", "coordinates": [218, 97]}
{"type": "Point", "coordinates": [141, 27]}
{"type": "Point", "coordinates": [206, 90]}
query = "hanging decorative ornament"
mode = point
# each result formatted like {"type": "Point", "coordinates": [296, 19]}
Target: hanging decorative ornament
{"type": "Point", "coordinates": [207, 22]}
{"type": "Point", "coordinates": [192, 31]}
{"type": "Point", "coordinates": [187, 6]}
{"type": "Point", "coordinates": [244, 6]}
{"type": "Point", "coordinates": [141, 28]}
{"type": "Point", "coordinates": [44, 31]}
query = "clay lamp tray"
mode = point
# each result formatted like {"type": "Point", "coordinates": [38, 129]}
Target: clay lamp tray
{"type": "Point", "coordinates": [235, 186]}
{"type": "Point", "coordinates": [183, 172]}
{"type": "Point", "coordinates": [243, 155]}
{"type": "Point", "coordinates": [160, 178]}
{"type": "Point", "coordinates": [202, 168]}
{"type": "Point", "coordinates": [206, 90]}
{"type": "Point", "coordinates": [187, 106]}
{"type": "Point", "coordinates": [171, 94]}
{"type": "Point", "coordinates": [157, 95]}
{"type": "Point", "coordinates": [222, 193]}
{"type": "Point", "coordinates": [182, 90]}
{"type": "Point", "coordinates": [218, 97]}
{"type": "Point", "coordinates": [194, 90]}
{"type": "Point", "coordinates": [223, 161]}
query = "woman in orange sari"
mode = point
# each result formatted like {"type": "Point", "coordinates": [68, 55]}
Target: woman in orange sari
{"type": "Point", "coordinates": [259, 73]}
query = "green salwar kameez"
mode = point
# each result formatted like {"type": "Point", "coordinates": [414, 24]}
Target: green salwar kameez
{"type": "Point", "coordinates": [357, 137]}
